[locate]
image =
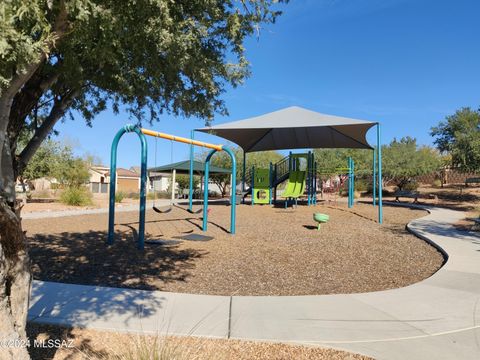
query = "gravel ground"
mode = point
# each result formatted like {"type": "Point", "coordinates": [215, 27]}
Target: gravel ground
{"type": "Point", "coordinates": [275, 251]}
{"type": "Point", "coordinates": [89, 344]}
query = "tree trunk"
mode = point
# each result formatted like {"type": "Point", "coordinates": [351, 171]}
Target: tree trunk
{"type": "Point", "coordinates": [15, 279]}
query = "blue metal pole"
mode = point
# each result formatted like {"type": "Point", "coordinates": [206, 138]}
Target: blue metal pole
{"type": "Point", "coordinates": [270, 182]}
{"type": "Point", "coordinates": [113, 178]}
{"type": "Point", "coordinates": [143, 181]}
{"type": "Point", "coordinates": [349, 182]}
{"type": "Point", "coordinates": [380, 203]}
{"type": "Point", "coordinates": [113, 185]}
{"type": "Point", "coordinates": [374, 185]}
{"type": "Point", "coordinates": [233, 199]}
{"type": "Point", "coordinates": [252, 184]}
{"type": "Point", "coordinates": [205, 189]}
{"type": "Point", "coordinates": [308, 179]}
{"type": "Point", "coordinates": [190, 190]}
{"type": "Point", "coordinates": [244, 169]}
{"type": "Point", "coordinates": [353, 182]}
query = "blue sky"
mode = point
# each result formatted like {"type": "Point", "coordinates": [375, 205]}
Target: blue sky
{"type": "Point", "coordinates": [405, 63]}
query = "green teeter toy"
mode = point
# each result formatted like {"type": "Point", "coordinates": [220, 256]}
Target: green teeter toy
{"type": "Point", "coordinates": [320, 218]}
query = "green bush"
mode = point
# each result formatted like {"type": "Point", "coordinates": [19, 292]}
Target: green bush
{"type": "Point", "coordinates": [410, 186]}
{"type": "Point", "coordinates": [119, 196]}
{"type": "Point", "coordinates": [76, 196]}
{"type": "Point", "coordinates": [133, 195]}
{"type": "Point", "coordinates": [363, 185]}
{"type": "Point", "coordinates": [437, 183]}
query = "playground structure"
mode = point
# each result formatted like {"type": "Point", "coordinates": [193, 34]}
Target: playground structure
{"type": "Point", "coordinates": [302, 179]}
{"type": "Point", "coordinates": [143, 178]}
{"type": "Point", "coordinates": [261, 184]}
{"type": "Point", "coordinates": [298, 128]}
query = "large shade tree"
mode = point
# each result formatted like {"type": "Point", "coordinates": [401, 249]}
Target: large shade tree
{"type": "Point", "coordinates": [146, 56]}
{"type": "Point", "coordinates": [459, 137]}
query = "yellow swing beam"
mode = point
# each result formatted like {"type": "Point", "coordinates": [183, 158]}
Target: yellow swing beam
{"type": "Point", "coordinates": [181, 139]}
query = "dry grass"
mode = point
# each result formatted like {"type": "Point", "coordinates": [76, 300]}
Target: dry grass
{"type": "Point", "coordinates": [90, 344]}
{"type": "Point", "coordinates": [275, 251]}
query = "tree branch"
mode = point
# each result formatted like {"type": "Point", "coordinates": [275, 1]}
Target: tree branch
{"type": "Point", "coordinates": [57, 112]}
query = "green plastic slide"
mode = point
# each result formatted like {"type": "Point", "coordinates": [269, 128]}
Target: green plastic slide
{"type": "Point", "coordinates": [292, 182]}
{"type": "Point", "coordinates": [300, 184]}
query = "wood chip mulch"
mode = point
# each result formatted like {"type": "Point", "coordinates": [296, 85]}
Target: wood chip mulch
{"type": "Point", "coordinates": [275, 251]}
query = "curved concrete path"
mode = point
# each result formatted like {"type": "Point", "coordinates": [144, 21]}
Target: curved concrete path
{"type": "Point", "coordinates": [438, 318]}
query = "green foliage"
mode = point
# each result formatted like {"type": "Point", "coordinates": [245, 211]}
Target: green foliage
{"type": "Point", "coordinates": [363, 185]}
{"type": "Point", "coordinates": [459, 136]}
{"type": "Point", "coordinates": [261, 159]}
{"type": "Point", "coordinates": [146, 56]}
{"type": "Point", "coordinates": [44, 161]}
{"type": "Point", "coordinates": [410, 185]}
{"type": "Point", "coordinates": [135, 195]}
{"type": "Point", "coordinates": [119, 196]}
{"type": "Point", "coordinates": [76, 196]}
{"type": "Point", "coordinates": [329, 160]}
{"type": "Point", "coordinates": [183, 182]}
{"type": "Point", "coordinates": [437, 183]}
{"type": "Point", "coordinates": [71, 171]}
{"type": "Point", "coordinates": [56, 160]}
{"type": "Point", "coordinates": [403, 160]}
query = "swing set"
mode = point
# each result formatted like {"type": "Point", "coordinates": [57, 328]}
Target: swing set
{"type": "Point", "coordinates": [143, 179]}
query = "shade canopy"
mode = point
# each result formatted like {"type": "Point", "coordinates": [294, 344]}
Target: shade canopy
{"type": "Point", "coordinates": [294, 128]}
{"type": "Point", "coordinates": [183, 167]}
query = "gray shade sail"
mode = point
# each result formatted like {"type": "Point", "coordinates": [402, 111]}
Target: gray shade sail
{"type": "Point", "coordinates": [294, 128]}
{"type": "Point", "coordinates": [183, 167]}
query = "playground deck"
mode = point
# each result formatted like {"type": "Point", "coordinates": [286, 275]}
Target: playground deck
{"type": "Point", "coordinates": [275, 251]}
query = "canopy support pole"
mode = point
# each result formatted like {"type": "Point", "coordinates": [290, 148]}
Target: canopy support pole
{"type": "Point", "coordinates": [244, 167]}
{"type": "Point", "coordinates": [374, 185]}
{"type": "Point", "coordinates": [379, 149]}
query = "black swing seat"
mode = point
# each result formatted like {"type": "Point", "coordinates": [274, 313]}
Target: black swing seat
{"type": "Point", "coordinates": [194, 212]}
{"type": "Point", "coordinates": [157, 210]}
{"type": "Point", "coordinates": [188, 210]}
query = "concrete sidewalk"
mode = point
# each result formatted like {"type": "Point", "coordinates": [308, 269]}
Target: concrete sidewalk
{"type": "Point", "coordinates": [438, 318]}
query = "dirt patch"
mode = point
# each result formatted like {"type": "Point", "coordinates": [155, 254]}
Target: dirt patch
{"type": "Point", "coordinates": [275, 251]}
{"type": "Point", "coordinates": [89, 344]}
{"type": "Point", "coordinates": [455, 197]}
{"type": "Point", "coordinates": [58, 206]}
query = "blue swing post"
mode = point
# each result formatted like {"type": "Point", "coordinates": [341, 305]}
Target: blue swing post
{"type": "Point", "coordinates": [113, 185]}
{"type": "Point", "coordinates": [233, 199]}
{"type": "Point", "coordinates": [143, 177]}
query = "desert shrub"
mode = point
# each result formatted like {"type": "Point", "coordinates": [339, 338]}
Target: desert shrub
{"type": "Point", "coordinates": [363, 185]}
{"type": "Point", "coordinates": [133, 195]}
{"type": "Point", "coordinates": [437, 183]}
{"type": "Point", "coordinates": [76, 196]}
{"type": "Point", "coordinates": [410, 186]}
{"type": "Point", "coordinates": [119, 196]}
